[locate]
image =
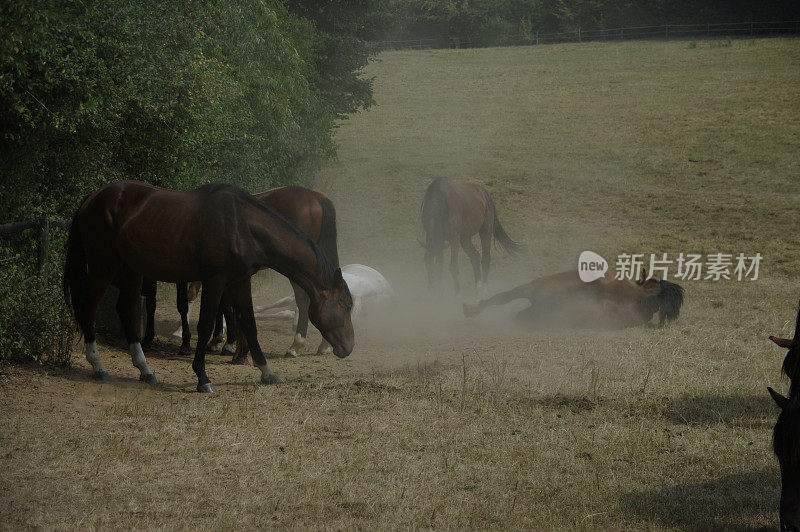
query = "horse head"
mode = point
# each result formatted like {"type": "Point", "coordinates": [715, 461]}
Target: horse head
{"type": "Point", "coordinates": [790, 362]}
{"type": "Point", "coordinates": [663, 297]}
{"type": "Point", "coordinates": [330, 313]}
{"type": "Point", "coordinates": [786, 445]}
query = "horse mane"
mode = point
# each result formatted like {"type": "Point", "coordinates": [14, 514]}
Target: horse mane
{"type": "Point", "coordinates": [668, 302]}
{"type": "Point", "coordinates": [436, 208]}
{"type": "Point", "coordinates": [327, 234]}
{"type": "Point", "coordinates": [327, 267]}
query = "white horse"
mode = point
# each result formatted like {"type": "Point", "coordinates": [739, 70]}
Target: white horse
{"type": "Point", "coordinates": [369, 289]}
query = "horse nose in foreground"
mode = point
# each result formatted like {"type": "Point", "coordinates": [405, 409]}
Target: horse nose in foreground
{"type": "Point", "coordinates": [342, 351]}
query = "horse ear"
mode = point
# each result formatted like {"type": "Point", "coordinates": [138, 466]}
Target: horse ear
{"type": "Point", "coordinates": [780, 400]}
{"type": "Point", "coordinates": [781, 342]}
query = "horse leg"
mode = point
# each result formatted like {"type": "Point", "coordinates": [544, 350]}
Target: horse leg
{"type": "Point", "coordinates": [486, 259]}
{"type": "Point", "coordinates": [243, 303]}
{"type": "Point", "coordinates": [475, 259]}
{"type": "Point", "coordinates": [237, 336]}
{"type": "Point", "coordinates": [502, 298]}
{"type": "Point", "coordinates": [130, 288]}
{"type": "Point", "coordinates": [229, 314]}
{"type": "Point", "coordinates": [149, 288]}
{"type": "Point", "coordinates": [301, 328]}
{"type": "Point", "coordinates": [454, 265]}
{"type": "Point", "coordinates": [95, 288]}
{"type": "Point", "coordinates": [218, 337]}
{"type": "Point", "coordinates": [183, 310]}
{"type": "Point", "coordinates": [209, 305]}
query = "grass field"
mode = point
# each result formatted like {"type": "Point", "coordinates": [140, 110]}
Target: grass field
{"type": "Point", "coordinates": [434, 421]}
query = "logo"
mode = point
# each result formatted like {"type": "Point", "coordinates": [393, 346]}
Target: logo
{"type": "Point", "coordinates": [591, 266]}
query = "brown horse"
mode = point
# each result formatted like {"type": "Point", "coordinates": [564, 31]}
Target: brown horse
{"type": "Point", "coordinates": [606, 303]}
{"type": "Point", "coordinates": [786, 435]}
{"type": "Point", "coordinates": [219, 234]}
{"type": "Point", "coordinates": [314, 214]}
{"type": "Point", "coordinates": [451, 214]}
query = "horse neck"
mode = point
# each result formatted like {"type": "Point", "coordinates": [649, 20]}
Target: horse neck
{"type": "Point", "coordinates": [287, 252]}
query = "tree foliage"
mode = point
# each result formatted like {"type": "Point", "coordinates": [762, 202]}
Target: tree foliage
{"type": "Point", "coordinates": [177, 93]}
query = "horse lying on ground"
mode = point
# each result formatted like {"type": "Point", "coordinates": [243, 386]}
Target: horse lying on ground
{"type": "Point", "coordinates": [564, 300]}
{"type": "Point", "coordinates": [451, 214]}
{"type": "Point", "coordinates": [786, 435]}
{"type": "Point", "coordinates": [218, 234]}
{"type": "Point", "coordinates": [314, 214]}
{"type": "Point", "coordinates": [368, 288]}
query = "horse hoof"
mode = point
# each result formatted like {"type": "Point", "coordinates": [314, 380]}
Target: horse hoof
{"type": "Point", "coordinates": [205, 388]}
{"type": "Point", "coordinates": [185, 350]}
{"type": "Point", "coordinates": [229, 348]}
{"type": "Point", "coordinates": [149, 379]}
{"type": "Point", "coordinates": [101, 376]}
{"type": "Point", "coordinates": [291, 353]}
{"type": "Point", "coordinates": [271, 379]}
{"type": "Point", "coordinates": [240, 361]}
{"type": "Point", "coordinates": [325, 352]}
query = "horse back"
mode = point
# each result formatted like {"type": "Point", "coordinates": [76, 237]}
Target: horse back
{"type": "Point", "coordinates": [164, 234]}
{"type": "Point", "coordinates": [468, 207]}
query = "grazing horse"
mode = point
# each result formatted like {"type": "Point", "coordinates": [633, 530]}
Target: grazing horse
{"type": "Point", "coordinates": [452, 213]}
{"type": "Point", "coordinates": [368, 288]}
{"type": "Point", "coordinates": [314, 214]}
{"type": "Point", "coordinates": [605, 303]}
{"type": "Point", "coordinates": [786, 435]}
{"type": "Point", "coordinates": [218, 234]}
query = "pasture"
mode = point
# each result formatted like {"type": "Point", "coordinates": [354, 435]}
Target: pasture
{"type": "Point", "coordinates": [437, 421]}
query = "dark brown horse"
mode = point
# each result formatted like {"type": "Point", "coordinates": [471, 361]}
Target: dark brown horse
{"type": "Point", "coordinates": [563, 299]}
{"type": "Point", "coordinates": [218, 234]}
{"type": "Point", "coordinates": [451, 214]}
{"type": "Point", "coordinates": [314, 214]}
{"type": "Point", "coordinates": [786, 435]}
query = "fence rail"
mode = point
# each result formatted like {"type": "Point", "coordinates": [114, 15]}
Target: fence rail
{"type": "Point", "coordinates": [664, 31]}
{"type": "Point", "coordinates": [43, 224]}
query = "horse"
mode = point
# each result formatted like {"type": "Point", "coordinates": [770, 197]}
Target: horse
{"type": "Point", "coordinates": [563, 299]}
{"type": "Point", "coordinates": [368, 288]}
{"type": "Point", "coordinates": [218, 234]}
{"type": "Point", "coordinates": [786, 434]}
{"type": "Point", "coordinates": [451, 214]}
{"type": "Point", "coordinates": [314, 214]}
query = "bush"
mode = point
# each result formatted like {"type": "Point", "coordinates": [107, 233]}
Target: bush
{"type": "Point", "coordinates": [35, 324]}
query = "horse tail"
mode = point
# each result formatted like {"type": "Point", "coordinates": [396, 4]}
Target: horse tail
{"type": "Point", "coordinates": [436, 210]}
{"type": "Point", "coordinates": [670, 301]}
{"type": "Point", "coordinates": [327, 233]}
{"type": "Point", "coordinates": [75, 272]}
{"type": "Point", "coordinates": [511, 247]}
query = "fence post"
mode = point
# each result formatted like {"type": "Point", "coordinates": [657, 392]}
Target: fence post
{"type": "Point", "coordinates": [44, 245]}
{"type": "Point", "coordinates": [537, 37]}
{"type": "Point", "coordinates": [579, 34]}
{"type": "Point", "coordinates": [666, 31]}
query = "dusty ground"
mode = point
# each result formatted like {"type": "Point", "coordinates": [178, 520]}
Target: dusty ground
{"type": "Point", "coordinates": [436, 421]}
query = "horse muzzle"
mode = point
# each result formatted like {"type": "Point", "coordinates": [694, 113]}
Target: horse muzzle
{"type": "Point", "coordinates": [342, 350]}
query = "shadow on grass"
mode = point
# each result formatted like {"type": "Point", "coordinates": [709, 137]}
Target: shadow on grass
{"type": "Point", "coordinates": [743, 501]}
{"type": "Point", "coordinates": [751, 411]}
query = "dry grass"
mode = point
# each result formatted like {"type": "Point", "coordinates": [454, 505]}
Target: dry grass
{"type": "Point", "coordinates": [437, 422]}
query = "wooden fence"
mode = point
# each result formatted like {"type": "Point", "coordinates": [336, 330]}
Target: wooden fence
{"type": "Point", "coordinates": [665, 31]}
{"type": "Point", "coordinates": [43, 225]}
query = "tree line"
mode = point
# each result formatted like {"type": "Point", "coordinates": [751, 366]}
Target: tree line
{"type": "Point", "coordinates": [491, 22]}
